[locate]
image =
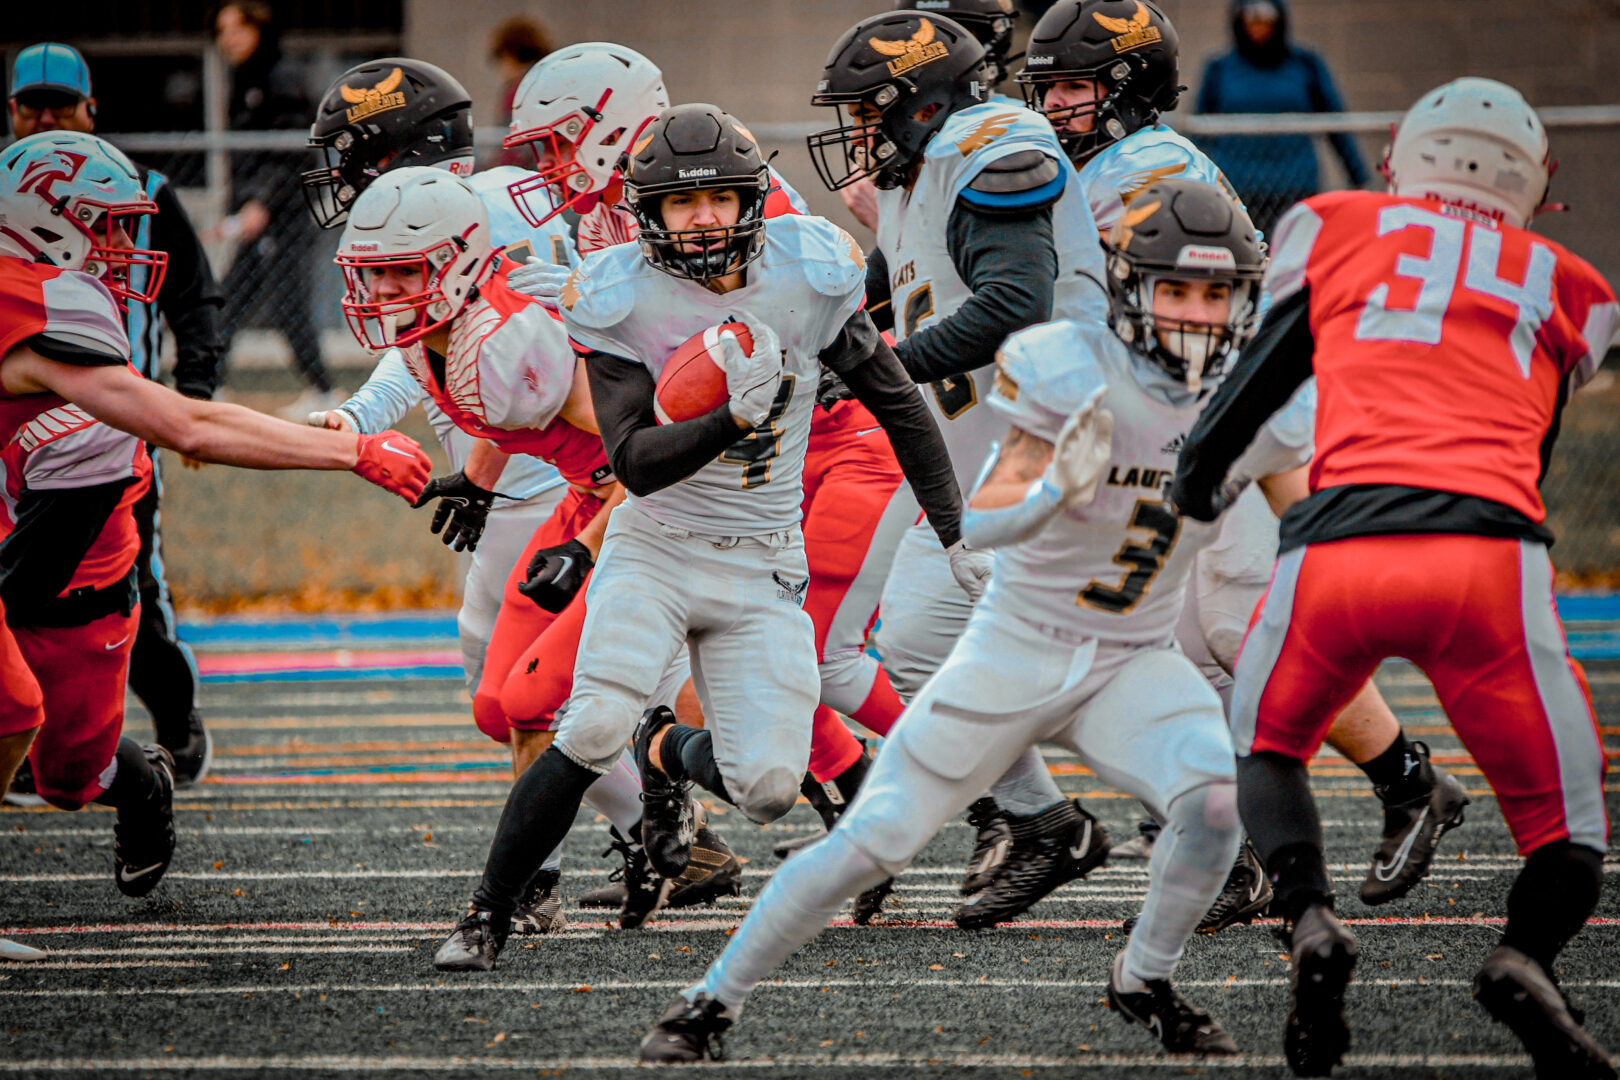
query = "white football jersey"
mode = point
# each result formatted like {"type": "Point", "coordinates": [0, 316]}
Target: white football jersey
{"type": "Point", "coordinates": [923, 281]}
{"type": "Point", "coordinates": [508, 229]}
{"type": "Point", "coordinates": [1143, 158]}
{"type": "Point", "coordinates": [806, 285]}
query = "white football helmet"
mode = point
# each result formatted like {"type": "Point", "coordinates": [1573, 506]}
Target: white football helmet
{"type": "Point", "coordinates": [578, 110]}
{"type": "Point", "coordinates": [425, 226]}
{"type": "Point", "coordinates": [73, 200]}
{"type": "Point", "coordinates": [1475, 144]}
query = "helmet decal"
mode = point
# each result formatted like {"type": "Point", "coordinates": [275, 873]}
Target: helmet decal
{"type": "Point", "coordinates": [1133, 32]}
{"type": "Point", "coordinates": [919, 49]}
{"type": "Point", "coordinates": [380, 98]}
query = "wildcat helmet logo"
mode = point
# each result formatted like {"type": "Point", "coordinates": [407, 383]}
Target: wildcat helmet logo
{"type": "Point", "coordinates": [919, 49]}
{"type": "Point", "coordinates": [372, 100]}
{"type": "Point", "coordinates": [1133, 32]}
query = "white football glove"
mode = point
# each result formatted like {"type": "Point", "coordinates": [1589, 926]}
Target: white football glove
{"type": "Point", "coordinates": [971, 569]}
{"type": "Point", "coordinates": [1081, 452]}
{"type": "Point", "coordinates": [539, 279]}
{"type": "Point", "coordinates": [752, 378]}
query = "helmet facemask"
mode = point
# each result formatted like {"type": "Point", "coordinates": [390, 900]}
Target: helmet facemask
{"type": "Point", "coordinates": [559, 173]}
{"type": "Point", "coordinates": [869, 149]}
{"type": "Point", "coordinates": [1187, 351]}
{"type": "Point", "coordinates": [1115, 114]}
{"type": "Point", "coordinates": [382, 324]}
{"type": "Point", "coordinates": [353, 162]}
{"type": "Point", "coordinates": [720, 249]}
{"type": "Point", "coordinates": [130, 273]}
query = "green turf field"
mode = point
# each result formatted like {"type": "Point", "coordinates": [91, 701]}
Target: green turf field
{"type": "Point", "coordinates": [345, 824]}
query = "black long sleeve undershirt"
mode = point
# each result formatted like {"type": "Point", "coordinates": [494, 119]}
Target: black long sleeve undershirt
{"type": "Point", "coordinates": [879, 298]}
{"type": "Point", "coordinates": [875, 376]}
{"type": "Point", "coordinates": [1010, 264]}
{"type": "Point", "coordinates": [645, 455]}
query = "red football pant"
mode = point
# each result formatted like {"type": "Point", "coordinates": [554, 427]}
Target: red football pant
{"type": "Point", "coordinates": [857, 506]}
{"type": "Point", "coordinates": [1476, 615]}
{"type": "Point", "coordinates": [21, 702]}
{"type": "Point", "coordinates": [82, 671]}
{"type": "Point", "coordinates": [521, 622]}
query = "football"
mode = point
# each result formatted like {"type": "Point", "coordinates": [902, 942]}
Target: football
{"type": "Point", "coordinates": [693, 382]}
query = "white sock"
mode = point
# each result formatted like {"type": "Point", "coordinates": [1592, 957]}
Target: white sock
{"type": "Point", "coordinates": [1190, 864]}
{"type": "Point", "coordinates": [618, 795]}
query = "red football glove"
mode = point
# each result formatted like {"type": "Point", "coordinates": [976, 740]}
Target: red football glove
{"type": "Point", "coordinates": [395, 463]}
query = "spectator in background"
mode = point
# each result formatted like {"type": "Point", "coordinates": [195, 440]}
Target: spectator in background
{"type": "Point", "coordinates": [50, 91]}
{"type": "Point", "coordinates": [515, 46]}
{"type": "Point", "coordinates": [1266, 73]}
{"type": "Point", "coordinates": [272, 279]}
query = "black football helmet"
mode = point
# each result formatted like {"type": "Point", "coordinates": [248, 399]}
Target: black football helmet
{"type": "Point", "coordinates": [380, 115]}
{"type": "Point", "coordinates": [1127, 46]}
{"type": "Point", "coordinates": [686, 148]}
{"type": "Point", "coordinates": [915, 70]}
{"type": "Point", "coordinates": [1188, 230]}
{"type": "Point", "coordinates": [991, 21]}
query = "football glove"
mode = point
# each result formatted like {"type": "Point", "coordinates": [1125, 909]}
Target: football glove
{"type": "Point", "coordinates": [393, 462]}
{"type": "Point", "coordinates": [830, 390]}
{"type": "Point", "coordinates": [1080, 455]}
{"type": "Point", "coordinates": [463, 508]}
{"type": "Point", "coordinates": [540, 279]}
{"type": "Point", "coordinates": [556, 574]}
{"type": "Point", "coordinates": [752, 378]}
{"type": "Point", "coordinates": [971, 569]}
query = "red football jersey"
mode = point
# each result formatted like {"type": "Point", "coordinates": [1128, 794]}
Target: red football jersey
{"type": "Point", "coordinates": [38, 299]}
{"type": "Point", "coordinates": [1442, 343]}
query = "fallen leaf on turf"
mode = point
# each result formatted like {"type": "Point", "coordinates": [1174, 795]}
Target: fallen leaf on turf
{"type": "Point", "coordinates": [285, 967]}
{"type": "Point", "coordinates": [830, 963]}
{"type": "Point", "coordinates": [500, 1037]}
{"type": "Point", "coordinates": [427, 838]}
{"type": "Point", "coordinates": [219, 865]}
{"type": "Point", "coordinates": [982, 1041]}
{"type": "Point", "coordinates": [936, 967]}
{"type": "Point", "coordinates": [959, 956]}
{"type": "Point", "coordinates": [577, 990]}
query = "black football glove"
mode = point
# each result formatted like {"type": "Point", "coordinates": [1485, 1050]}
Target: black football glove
{"type": "Point", "coordinates": [463, 508]}
{"type": "Point", "coordinates": [556, 574]}
{"type": "Point", "coordinates": [831, 390]}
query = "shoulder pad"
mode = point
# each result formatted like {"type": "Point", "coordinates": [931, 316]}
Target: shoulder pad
{"type": "Point", "coordinates": [830, 258]}
{"type": "Point", "coordinates": [1016, 183]}
{"type": "Point", "coordinates": [1043, 374]}
{"type": "Point", "coordinates": [82, 314]}
{"type": "Point", "coordinates": [600, 292]}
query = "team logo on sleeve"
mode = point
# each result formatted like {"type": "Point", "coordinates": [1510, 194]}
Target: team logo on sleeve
{"type": "Point", "coordinates": [989, 129]}
{"type": "Point", "coordinates": [570, 294]}
{"type": "Point", "coordinates": [1125, 229]}
{"type": "Point", "coordinates": [368, 101]}
{"type": "Point", "coordinates": [856, 256]}
{"type": "Point", "coordinates": [1133, 32]}
{"type": "Point", "coordinates": [919, 49]}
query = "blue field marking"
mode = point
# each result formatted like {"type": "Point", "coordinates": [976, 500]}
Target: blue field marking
{"type": "Point", "coordinates": [344, 674]}
{"type": "Point", "coordinates": [239, 632]}
{"type": "Point", "coordinates": [1589, 607]}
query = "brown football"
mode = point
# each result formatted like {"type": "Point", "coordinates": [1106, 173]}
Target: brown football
{"type": "Point", "coordinates": [693, 382]}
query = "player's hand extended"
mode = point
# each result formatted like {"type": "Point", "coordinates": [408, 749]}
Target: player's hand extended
{"type": "Point", "coordinates": [335, 419]}
{"type": "Point", "coordinates": [540, 279]}
{"type": "Point", "coordinates": [1080, 455]}
{"type": "Point", "coordinates": [393, 462]}
{"type": "Point", "coordinates": [752, 378]}
{"type": "Point", "coordinates": [556, 574]}
{"type": "Point", "coordinates": [971, 569]}
{"type": "Point", "coordinates": [463, 508]}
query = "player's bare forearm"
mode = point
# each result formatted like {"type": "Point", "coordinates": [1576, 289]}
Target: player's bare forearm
{"type": "Point", "coordinates": [485, 464]}
{"type": "Point", "coordinates": [596, 529]}
{"type": "Point", "coordinates": [1022, 459]}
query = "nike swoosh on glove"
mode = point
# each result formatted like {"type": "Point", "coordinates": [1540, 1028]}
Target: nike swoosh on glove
{"type": "Point", "coordinates": [971, 569]}
{"type": "Point", "coordinates": [539, 279]}
{"type": "Point", "coordinates": [556, 575]}
{"type": "Point", "coordinates": [462, 511]}
{"type": "Point", "coordinates": [393, 462]}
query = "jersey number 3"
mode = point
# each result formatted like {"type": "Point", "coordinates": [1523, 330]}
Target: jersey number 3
{"type": "Point", "coordinates": [1144, 560]}
{"type": "Point", "coordinates": [756, 450]}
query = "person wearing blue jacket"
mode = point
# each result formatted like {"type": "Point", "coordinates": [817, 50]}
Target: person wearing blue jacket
{"type": "Point", "coordinates": [1265, 72]}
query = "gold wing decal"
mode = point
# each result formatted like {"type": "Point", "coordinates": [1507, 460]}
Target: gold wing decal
{"type": "Point", "coordinates": [1124, 26]}
{"type": "Point", "coordinates": [924, 35]}
{"type": "Point", "coordinates": [1141, 181]}
{"type": "Point", "coordinates": [352, 96]}
{"type": "Point", "coordinates": [389, 84]}
{"type": "Point", "coordinates": [989, 129]}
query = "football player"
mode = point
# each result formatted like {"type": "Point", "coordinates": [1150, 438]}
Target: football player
{"type": "Point", "coordinates": [1063, 647]}
{"type": "Point", "coordinates": [707, 548]}
{"type": "Point", "coordinates": [981, 231]}
{"type": "Point", "coordinates": [1103, 71]}
{"type": "Point", "coordinates": [856, 505]}
{"type": "Point", "coordinates": [68, 205]}
{"type": "Point", "coordinates": [1445, 339]}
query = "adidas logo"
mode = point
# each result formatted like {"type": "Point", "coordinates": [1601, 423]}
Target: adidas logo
{"type": "Point", "coordinates": [1173, 446]}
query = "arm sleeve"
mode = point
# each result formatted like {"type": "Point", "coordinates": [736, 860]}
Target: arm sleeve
{"type": "Point", "coordinates": [647, 456]}
{"type": "Point", "coordinates": [1271, 368]}
{"type": "Point", "coordinates": [385, 398]}
{"type": "Point", "coordinates": [874, 375]}
{"type": "Point", "coordinates": [1325, 96]}
{"type": "Point", "coordinates": [879, 301]}
{"type": "Point", "coordinates": [190, 299]}
{"type": "Point", "coordinates": [1010, 264]}
{"type": "Point", "coordinates": [55, 529]}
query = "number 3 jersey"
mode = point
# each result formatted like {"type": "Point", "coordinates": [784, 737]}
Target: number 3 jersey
{"type": "Point", "coordinates": [1115, 569]}
{"type": "Point", "coordinates": [924, 284]}
{"type": "Point", "coordinates": [806, 285]}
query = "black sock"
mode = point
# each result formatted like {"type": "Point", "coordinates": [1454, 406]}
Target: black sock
{"type": "Point", "coordinates": [1388, 768]}
{"type": "Point", "coordinates": [538, 814]}
{"type": "Point", "coordinates": [1555, 893]}
{"type": "Point", "coordinates": [1399, 775]}
{"type": "Point", "coordinates": [688, 754]}
{"type": "Point", "coordinates": [1299, 874]}
{"type": "Point", "coordinates": [135, 782]}
{"type": "Point", "coordinates": [1279, 814]}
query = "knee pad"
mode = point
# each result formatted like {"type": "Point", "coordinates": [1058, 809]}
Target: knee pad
{"type": "Point", "coordinates": [1205, 820]}
{"type": "Point", "coordinates": [769, 797]}
{"type": "Point", "coordinates": [594, 730]}
{"type": "Point", "coordinates": [490, 717]}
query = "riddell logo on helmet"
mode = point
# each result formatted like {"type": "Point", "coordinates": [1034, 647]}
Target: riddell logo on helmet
{"type": "Point", "coordinates": [363, 245]}
{"type": "Point", "coordinates": [1206, 256]}
{"type": "Point", "coordinates": [919, 49]}
{"type": "Point", "coordinates": [696, 174]}
{"type": "Point", "coordinates": [1040, 61]}
{"type": "Point", "coordinates": [1134, 32]}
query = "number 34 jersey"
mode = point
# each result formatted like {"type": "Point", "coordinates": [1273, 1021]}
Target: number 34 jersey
{"type": "Point", "coordinates": [809, 281]}
{"type": "Point", "coordinates": [1444, 347]}
{"type": "Point", "coordinates": [1115, 569]}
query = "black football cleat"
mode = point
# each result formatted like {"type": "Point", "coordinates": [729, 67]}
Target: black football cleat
{"type": "Point", "coordinates": [1245, 896]}
{"type": "Point", "coordinates": [1412, 831]}
{"type": "Point", "coordinates": [1048, 849]}
{"type": "Point", "coordinates": [541, 910]}
{"type": "Point", "coordinates": [1322, 956]}
{"type": "Point", "coordinates": [991, 841]}
{"type": "Point", "coordinates": [143, 836]}
{"type": "Point", "coordinates": [713, 871]}
{"type": "Point", "coordinates": [193, 753]}
{"type": "Point", "coordinates": [1517, 991]}
{"type": "Point", "coordinates": [869, 903]}
{"type": "Point", "coordinates": [1162, 1010]}
{"type": "Point", "coordinates": [690, 1031]}
{"type": "Point", "coordinates": [22, 791]}
{"type": "Point", "coordinates": [668, 822]}
{"type": "Point", "coordinates": [474, 944]}
{"type": "Point", "coordinates": [644, 891]}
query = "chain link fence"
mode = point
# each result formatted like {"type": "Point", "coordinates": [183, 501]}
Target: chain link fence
{"type": "Point", "coordinates": [282, 290]}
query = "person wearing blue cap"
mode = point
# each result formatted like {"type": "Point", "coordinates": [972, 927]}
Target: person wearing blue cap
{"type": "Point", "coordinates": [51, 91]}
